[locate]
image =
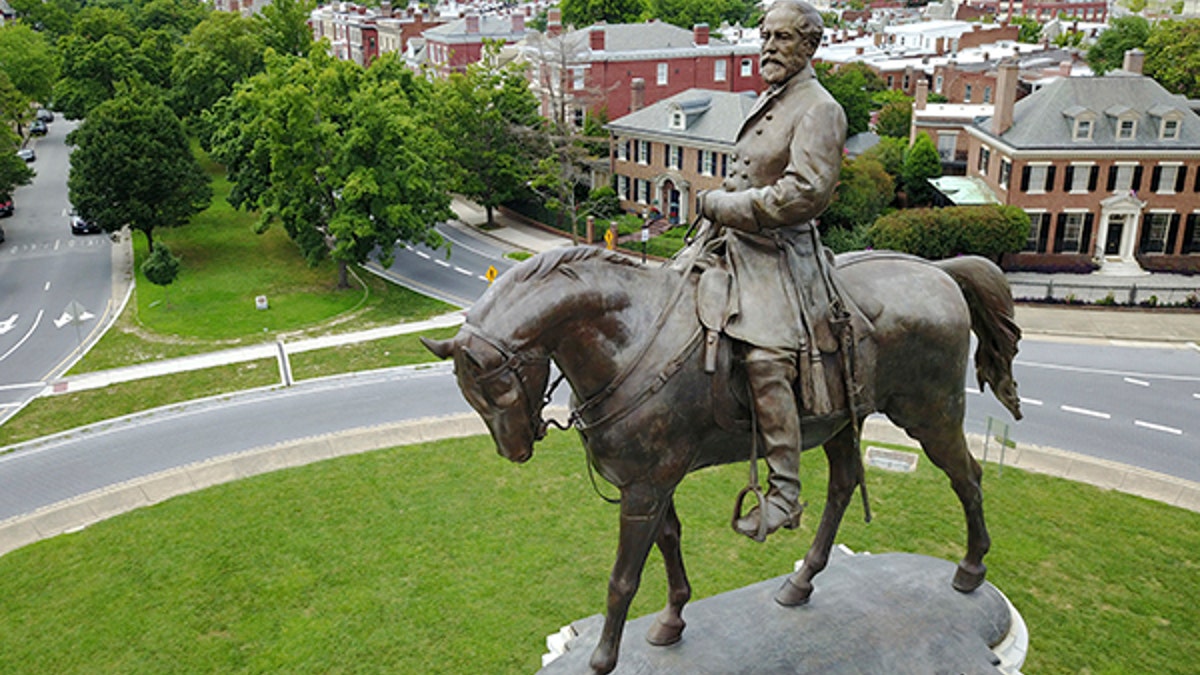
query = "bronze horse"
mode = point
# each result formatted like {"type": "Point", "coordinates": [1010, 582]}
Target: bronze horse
{"type": "Point", "coordinates": [627, 340]}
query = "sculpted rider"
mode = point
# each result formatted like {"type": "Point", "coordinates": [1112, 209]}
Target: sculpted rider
{"type": "Point", "coordinates": [781, 176]}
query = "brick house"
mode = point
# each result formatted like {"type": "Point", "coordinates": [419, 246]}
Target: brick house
{"type": "Point", "coordinates": [663, 155]}
{"type": "Point", "coordinates": [452, 47]}
{"type": "Point", "coordinates": [1108, 169]}
{"type": "Point", "coordinates": [612, 70]}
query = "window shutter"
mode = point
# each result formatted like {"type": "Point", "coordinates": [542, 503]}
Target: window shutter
{"type": "Point", "coordinates": [1189, 234]}
{"type": "Point", "coordinates": [1025, 179]}
{"type": "Point", "coordinates": [1085, 239]}
{"type": "Point", "coordinates": [1155, 176]}
{"type": "Point", "coordinates": [1169, 246]}
{"type": "Point", "coordinates": [1181, 178]}
{"type": "Point", "coordinates": [1049, 186]}
{"type": "Point", "coordinates": [1059, 229]}
{"type": "Point", "coordinates": [1112, 177]}
{"type": "Point", "coordinates": [667, 155]}
{"type": "Point", "coordinates": [1137, 178]}
{"type": "Point", "coordinates": [1068, 176]}
{"type": "Point", "coordinates": [724, 165]}
{"type": "Point", "coordinates": [1043, 226]}
{"type": "Point", "coordinates": [699, 161]}
{"type": "Point", "coordinates": [1144, 235]}
{"type": "Point", "coordinates": [1092, 176]}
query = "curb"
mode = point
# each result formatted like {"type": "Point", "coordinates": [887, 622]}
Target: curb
{"type": "Point", "coordinates": [79, 512]}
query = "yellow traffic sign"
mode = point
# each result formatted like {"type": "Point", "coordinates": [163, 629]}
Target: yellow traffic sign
{"type": "Point", "coordinates": [491, 273]}
{"type": "Point", "coordinates": [610, 239]}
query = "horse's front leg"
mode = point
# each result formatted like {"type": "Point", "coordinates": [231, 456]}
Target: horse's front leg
{"type": "Point", "coordinates": [641, 518]}
{"type": "Point", "coordinates": [668, 625]}
{"type": "Point", "coordinates": [842, 454]}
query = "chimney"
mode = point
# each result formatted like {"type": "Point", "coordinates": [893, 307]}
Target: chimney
{"type": "Point", "coordinates": [700, 34]}
{"type": "Point", "coordinates": [1134, 59]}
{"type": "Point", "coordinates": [858, 51]}
{"type": "Point", "coordinates": [554, 22]}
{"type": "Point", "coordinates": [596, 38]}
{"type": "Point", "coordinates": [637, 99]}
{"type": "Point", "coordinates": [385, 7]}
{"type": "Point", "coordinates": [922, 97]}
{"type": "Point", "coordinates": [518, 23]}
{"type": "Point", "coordinates": [472, 23]}
{"type": "Point", "coordinates": [1006, 96]}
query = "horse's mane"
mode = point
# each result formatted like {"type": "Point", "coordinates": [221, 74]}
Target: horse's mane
{"type": "Point", "coordinates": [544, 264]}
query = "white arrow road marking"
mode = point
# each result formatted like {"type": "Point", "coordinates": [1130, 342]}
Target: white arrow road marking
{"type": "Point", "coordinates": [36, 321]}
{"type": "Point", "coordinates": [63, 320]}
{"type": "Point", "coordinates": [8, 324]}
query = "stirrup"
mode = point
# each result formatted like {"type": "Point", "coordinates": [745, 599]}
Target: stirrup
{"type": "Point", "coordinates": [761, 499]}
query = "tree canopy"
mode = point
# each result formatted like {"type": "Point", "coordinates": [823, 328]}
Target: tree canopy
{"type": "Point", "coordinates": [852, 85]}
{"type": "Point", "coordinates": [582, 13]}
{"type": "Point", "coordinates": [1173, 56]}
{"type": "Point", "coordinates": [921, 163]}
{"type": "Point", "coordinates": [221, 51]}
{"type": "Point", "coordinates": [133, 165]}
{"type": "Point", "coordinates": [29, 60]}
{"type": "Point", "coordinates": [1123, 33]}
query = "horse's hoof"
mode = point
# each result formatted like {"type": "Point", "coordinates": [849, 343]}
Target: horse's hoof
{"type": "Point", "coordinates": [793, 594]}
{"type": "Point", "coordinates": [969, 577]}
{"type": "Point", "coordinates": [602, 661]}
{"type": "Point", "coordinates": [665, 632]}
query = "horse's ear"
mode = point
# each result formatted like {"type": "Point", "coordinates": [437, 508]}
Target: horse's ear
{"type": "Point", "coordinates": [440, 348]}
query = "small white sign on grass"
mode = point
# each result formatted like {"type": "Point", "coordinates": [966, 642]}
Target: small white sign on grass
{"type": "Point", "coordinates": [891, 460]}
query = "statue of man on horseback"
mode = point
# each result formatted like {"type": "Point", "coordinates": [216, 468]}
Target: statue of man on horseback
{"type": "Point", "coordinates": [782, 175]}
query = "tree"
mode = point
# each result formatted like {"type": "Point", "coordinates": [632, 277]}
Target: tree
{"type": "Point", "coordinates": [1029, 30]}
{"type": "Point", "coordinates": [581, 13]}
{"type": "Point", "coordinates": [221, 51]}
{"type": "Point", "coordinates": [864, 190]}
{"type": "Point", "coordinates": [894, 119]}
{"type": "Point", "coordinates": [889, 152]}
{"type": "Point", "coordinates": [29, 61]}
{"type": "Point", "coordinates": [989, 230]}
{"type": "Point", "coordinates": [688, 13]}
{"type": "Point", "coordinates": [1123, 33]}
{"type": "Point", "coordinates": [1173, 56]}
{"type": "Point", "coordinates": [133, 165]}
{"type": "Point", "coordinates": [852, 86]}
{"type": "Point", "coordinates": [161, 267]}
{"type": "Point", "coordinates": [921, 163]}
{"type": "Point", "coordinates": [285, 26]}
{"type": "Point", "coordinates": [348, 161]}
{"type": "Point", "coordinates": [53, 17]}
{"type": "Point", "coordinates": [488, 116]}
{"type": "Point", "coordinates": [13, 170]}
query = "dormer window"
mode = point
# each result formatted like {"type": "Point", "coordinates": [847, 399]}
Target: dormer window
{"type": "Point", "coordinates": [1170, 121]}
{"type": "Point", "coordinates": [1126, 129]}
{"type": "Point", "coordinates": [1125, 121]}
{"type": "Point", "coordinates": [1083, 122]}
{"type": "Point", "coordinates": [678, 120]}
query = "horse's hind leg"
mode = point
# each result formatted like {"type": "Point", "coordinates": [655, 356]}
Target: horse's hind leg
{"type": "Point", "coordinates": [668, 625]}
{"type": "Point", "coordinates": [842, 454]}
{"type": "Point", "coordinates": [946, 447]}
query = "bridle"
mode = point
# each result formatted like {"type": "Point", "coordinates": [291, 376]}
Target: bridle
{"type": "Point", "coordinates": [515, 362]}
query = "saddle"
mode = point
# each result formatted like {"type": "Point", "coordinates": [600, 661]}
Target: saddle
{"type": "Point", "coordinates": [831, 364]}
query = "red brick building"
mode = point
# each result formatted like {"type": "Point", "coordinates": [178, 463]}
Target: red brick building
{"type": "Point", "coordinates": [452, 47]}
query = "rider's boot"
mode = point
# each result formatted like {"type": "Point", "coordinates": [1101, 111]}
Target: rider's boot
{"type": "Point", "coordinates": [779, 427]}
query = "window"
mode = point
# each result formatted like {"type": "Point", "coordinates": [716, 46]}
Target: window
{"type": "Point", "coordinates": [578, 116]}
{"type": "Point", "coordinates": [747, 67]}
{"type": "Point", "coordinates": [906, 82]}
{"type": "Point", "coordinates": [674, 157]}
{"type": "Point", "coordinates": [937, 84]}
{"type": "Point", "coordinates": [1170, 130]}
{"type": "Point", "coordinates": [623, 187]}
{"type": "Point", "coordinates": [643, 152]}
{"type": "Point", "coordinates": [967, 94]}
{"type": "Point", "coordinates": [662, 74]}
{"type": "Point", "coordinates": [577, 78]}
{"type": "Point", "coordinates": [891, 81]}
{"type": "Point", "coordinates": [946, 145]}
{"type": "Point", "coordinates": [641, 190]}
{"type": "Point", "coordinates": [987, 94]}
{"type": "Point", "coordinates": [1083, 129]}
{"type": "Point", "coordinates": [1124, 178]}
{"type": "Point", "coordinates": [708, 163]}
{"type": "Point", "coordinates": [1080, 178]}
{"type": "Point", "coordinates": [1167, 179]}
{"type": "Point", "coordinates": [1037, 179]}
{"type": "Point", "coordinates": [1154, 236]}
{"type": "Point", "coordinates": [678, 120]}
{"type": "Point", "coordinates": [1126, 129]}
{"type": "Point", "coordinates": [985, 156]}
{"type": "Point", "coordinates": [623, 150]}
{"type": "Point", "coordinates": [1039, 225]}
{"type": "Point", "coordinates": [1072, 233]}
{"type": "Point", "coordinates": [1005, 172]}
{"type": "Point", "coordinates": [719, 71]}
{"type": "Point", "coordinates": [1191, 234]}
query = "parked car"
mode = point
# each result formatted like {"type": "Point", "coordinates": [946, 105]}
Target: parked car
{"type": "Point", "coordinates": [45, 115]}
{"type": "Point", "coordinates": [80, 225]}
{"type": "Point", "coordinates": [6, 208]}
{"type": "Point", "coordinates": [27, 154]}
{"type": "Point", "coordinates": [38, 128]}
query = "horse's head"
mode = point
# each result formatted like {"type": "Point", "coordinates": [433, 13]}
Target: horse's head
{"type": "Point", "coordinates": [506, 387]}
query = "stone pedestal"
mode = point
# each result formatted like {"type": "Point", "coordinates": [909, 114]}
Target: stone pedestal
{"type": "Point", "coordinates": [892, 614]}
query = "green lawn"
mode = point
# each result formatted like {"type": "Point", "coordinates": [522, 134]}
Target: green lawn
{"type": "Point", "coordinates": [444, 558]}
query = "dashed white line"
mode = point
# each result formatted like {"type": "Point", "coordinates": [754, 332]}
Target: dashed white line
{"type": "Point", "coordinates": [462, 271]}
{"type": "Point", "coordinates": [1085, 411]}
{"type": "Point", "coordinates": [443, 263]}
{"type": "Point", "coordinates": [483, 278]}
{"type": "Point", "coordinates": [46, 287]}
{"type": "Point", "coordinates": [1140, 383]}
{"type": "Point", "coordinates": [1196, 395]}
{"type": "Point", "coordinates": [972, 390]}
{"type": "Point", "coordinates": [422, 254]}
{"type": "Point", "coordinates": [1030, 401]}
{"type": "Point", "coordinates": [1158, 427]}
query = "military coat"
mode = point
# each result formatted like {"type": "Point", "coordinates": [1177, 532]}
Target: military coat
{"type": "Point", "coordinates": [780, 177]}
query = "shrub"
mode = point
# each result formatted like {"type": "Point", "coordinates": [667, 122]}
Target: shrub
{"type": "Point", "coordinates": [989, 231]}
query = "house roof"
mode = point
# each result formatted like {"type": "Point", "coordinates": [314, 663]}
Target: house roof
{"type": "Point", "coordinates": [490, 26]}
{"type": "Point", "coordinates": [712, 117]}
{"type": "Point", "coordinates": [626, 41]}
{"type": "Point", "coordinates": [1045, 119]}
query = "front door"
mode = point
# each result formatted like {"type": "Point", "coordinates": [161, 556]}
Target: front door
{"type": "Point", "coordinates": [1116, 226]}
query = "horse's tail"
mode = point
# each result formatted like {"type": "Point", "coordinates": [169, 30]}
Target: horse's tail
{"type": "Point", "coordinates": [990, 300]}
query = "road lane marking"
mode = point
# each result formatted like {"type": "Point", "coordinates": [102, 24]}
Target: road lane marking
{"type": "Point", "coordinates": [1158, 427]}
{"type": "Point", "coordinates": [1031, 401]}
{"type": "Point", "coordinates": [423, 254]}
{"type": "Point", "coordinates": [46, 287]}
{"type": "Point", "coordinates": [1140, 383]}
{"type": "Point", "coordinates": [1101, 371]}
{"type": "Point", "coordinates": [1085, 411]}
{"type": "Point", "coordinates": [462, 271]}
{"type": "Point", "coordinates": [443, 263]}
{"type": "Point", "coordinates": [24, 385]}
{"type": "Point", "coordinates": [37, 320]}
{"type": "Point", "coordinates": [8, 324]}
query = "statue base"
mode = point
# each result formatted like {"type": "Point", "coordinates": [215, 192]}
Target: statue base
{"type": "Point", "coordinates": [892, 613]}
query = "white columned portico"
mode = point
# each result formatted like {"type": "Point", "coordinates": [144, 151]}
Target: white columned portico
{"type": "Point", "coordinates": [1117, 234]}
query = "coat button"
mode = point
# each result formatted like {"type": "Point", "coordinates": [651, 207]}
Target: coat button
{"type": "Point", "coordinates": [758, 132]}
{"type": "Point", "coordinates": [770, 117]}
{"type": "Point", "coordinates": [746, 161]}
{"type": "Point", "coordinates": [735, 157]}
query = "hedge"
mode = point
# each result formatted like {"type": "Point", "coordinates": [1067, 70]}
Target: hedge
{"type": "Point", "coordinates": [988, 230]}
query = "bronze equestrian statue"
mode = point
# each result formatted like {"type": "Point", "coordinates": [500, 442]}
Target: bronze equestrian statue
{"type": "Point", "coordinates": [658, 358]}
{"type": "Point", "coordinates": [627, 339]}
